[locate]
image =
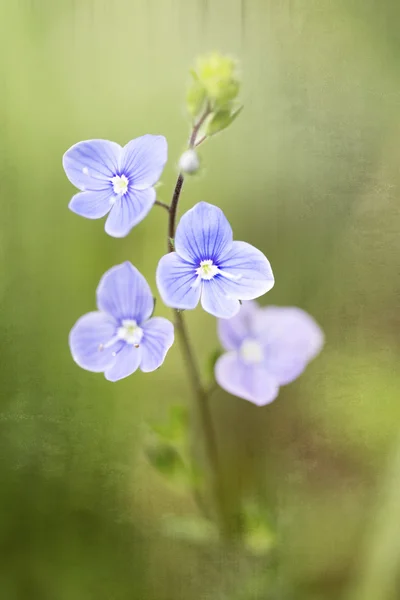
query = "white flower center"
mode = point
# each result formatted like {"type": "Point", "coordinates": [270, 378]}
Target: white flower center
{"type": "Point", "coordinates": [251, 352]}
{"type": "Point", "coordinates": [207, 270]}
{"type": "Point", "coordinates": [120, 184]}
{"type": "Point", "coordinates": [130, 332]}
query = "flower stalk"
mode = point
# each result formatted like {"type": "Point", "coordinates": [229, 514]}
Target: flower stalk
{"type": "Point", "coordinates": [200, 393]}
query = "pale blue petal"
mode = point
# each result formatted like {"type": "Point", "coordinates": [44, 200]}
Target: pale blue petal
{"type": "Point", "coordinates": [247, 272]}
{"type": "Point", "coordinates": [177, 282]}
{"type": "Point", "coordinates": [92, 205]}
{"type": "Point", "coordinates": [124, 293]}
{"type": "Point", "coordinates": [215, 301]}
{"type": "Point", "coordinates": [129, 210]}
{"type": "Point", "coordinates": [126, 363]}
{"type": "Point", "coordinates": [232, 332]}
{"type": "Point", "coordinates": [250, 382]}
{"type": "Point", "coordinates": [291, 339]}
{"type": "Point", "coordinates": [143, 160]}
{"type": "Point", "coordinates": [203, 233]}
{"type": "Point", "coordinates": [87, 338]}
{"type": "Point", "coordinates": [158, 337]}
{"type": "Point", "coordinates": [90, 165]}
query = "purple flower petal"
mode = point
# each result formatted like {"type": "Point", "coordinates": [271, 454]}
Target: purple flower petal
{"type": "Point", "coordinates": [90, 165]}
{"type": "Point", "coordinates": [128, 210]}
{"type": "Point", "coordinates": [291, 340]}
{"type": "Point", "coordinates": [203, 233]}
{"type": "Point", "coordinates": [158, 337]}
{"type": "Point", "coordinates": [232, 332]}
{"type": "Point", "coordinates": [177, 282]}
{"type": "Point", "coordinates": [215, 301]}
{"type": "Point", "coordinates": [87, 338]}
{"type": "Point", "coordinates": [126, 363]}
{"type": "Point", "coordinates": [250, 382]}
{"type": "Point", "coordinates": [144, 159]}
{"type": "Point", "coordinates": [92, 205]}
{"type": "Point", "coordinates": [124, 293]}
{"type": "Point", "coordinates": [247, 272]}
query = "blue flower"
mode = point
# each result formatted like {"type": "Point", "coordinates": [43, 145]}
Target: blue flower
{"type": "Point", "coordinates": [208, 264]}
{"type": "Point", "coordinates": [121, 336]}
{"type": "Point", "coordinates": [266, 348]}
{"type": "Point", "coordinates": [116, 180]}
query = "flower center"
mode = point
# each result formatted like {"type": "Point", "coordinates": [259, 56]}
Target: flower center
{"type": "Point", "coordinates": [120, 184]}
{"type": "Point", "coordinates": [207, 270]}
{"type": "Point", "coordinates": [251, 352]}
{"type": "Point", "coordinates": [130, 332]}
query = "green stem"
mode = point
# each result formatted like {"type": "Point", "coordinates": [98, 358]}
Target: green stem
{"type": "Point", "coordinates": [199, 391]}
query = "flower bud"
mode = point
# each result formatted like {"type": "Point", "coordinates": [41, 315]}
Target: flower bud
{"type": "Point", "coordinates": [218, 76]}
{"type": "Point", "coordinates": [189, 162]}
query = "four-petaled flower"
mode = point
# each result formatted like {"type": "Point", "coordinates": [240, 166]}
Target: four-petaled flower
{"type": "Point", "coordinates": [267, 347]}
{"type": "Point", "coordinates": [115, 179]}
{"type": "Point", "coordinates": [121, 336]}
{"type": "Point", "coordinates": [208, 264]}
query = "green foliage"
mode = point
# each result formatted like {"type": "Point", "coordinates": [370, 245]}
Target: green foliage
{"type": "Point", "coordinates": [167, 461]}
{"type": "Point", "coordinates": [175, 429]}
{"type": "Point", "coordinates": [221, 120]}
{"type": "Point", "coordinates": [218, 76]}
{"type": "Point", "coordinates": [190, 529]}
{"type": "Point", "coordinates": [258, 536]}
{"type": "Point", "coordinates": [195, 96]}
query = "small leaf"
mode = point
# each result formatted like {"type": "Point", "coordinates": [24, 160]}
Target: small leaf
{"type": "Point", "coordinates": [166, 460]}
{"type": "Point", "coordinates": [221, 120]}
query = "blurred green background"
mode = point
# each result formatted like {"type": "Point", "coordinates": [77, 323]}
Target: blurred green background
{"type": "Point", "coordinates": [310, 174]}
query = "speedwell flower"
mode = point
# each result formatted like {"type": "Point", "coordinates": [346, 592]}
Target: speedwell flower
{"type": "Point", "coordinates": [121, 336]}
{"type": "Point", "coordinates": [208, 264]}
{"type": "Point", "coordinates": [266, 348]}
{"type": "Point", "coordinates": [116, 180]}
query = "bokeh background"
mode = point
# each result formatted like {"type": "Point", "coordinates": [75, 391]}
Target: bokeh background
{"type": "Point", "coordinates": [310, 174]}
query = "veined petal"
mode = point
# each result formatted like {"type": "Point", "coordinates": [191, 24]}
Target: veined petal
{"type": "Point", "coordinates": [247, 271]}
{"type": "Point", "coordinates": [143, 159]}
{"type": "Point", "coordinates": [126, 363]}
{"type": "Point", "coordinates": [124, 293]}
{"type": "Point", "coordinates": [158, 337]}
{"type": "Point", "coordinates": [232, 332]}
{"type": "Point", "coordinates": [128, 210]}
{"type": "Point", "coordinates": [215, 300]}
{"type": "Point", "coordinates": [88, 338]}
{"type": "Point", "coordinates": [250, 382]}
{"type": "Point", "coordinates": [92, 205]}
{"type": "Point", "coordinates": [91, 164]}
{"type": "Point", "coordinates": [203, 233]}
{"type": "Point", "coordinates": [177, 282]}
{"type": "Point", "coordinates": [291, 339]}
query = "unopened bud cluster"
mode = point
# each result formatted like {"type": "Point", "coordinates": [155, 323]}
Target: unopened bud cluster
{"type": "Point", "coordinates": [215, 86]}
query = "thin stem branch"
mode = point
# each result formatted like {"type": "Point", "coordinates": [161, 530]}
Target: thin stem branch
{"type": "Point", "coordinates": [162, 204]}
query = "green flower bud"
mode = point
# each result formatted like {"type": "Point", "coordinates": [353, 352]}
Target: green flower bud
{"type": "Point", "coordinates": [218, 76]}
{"type": "Point", "coordinates": [195, 96]}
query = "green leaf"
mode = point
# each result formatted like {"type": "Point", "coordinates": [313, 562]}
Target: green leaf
{"type": "Point", "coordinates": [166, 460]}
{"type": "Point", "coordinates": [221, 120]}
{"type": "Point", "coordinates": [190, 529]}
